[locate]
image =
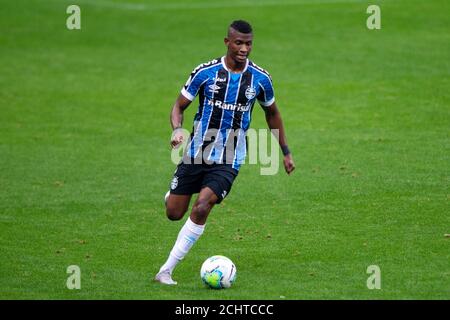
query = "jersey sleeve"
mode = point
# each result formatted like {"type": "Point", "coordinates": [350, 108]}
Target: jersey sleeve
{"type": "Point", "coordinates": [266, 95]}
{"type": "Point", "coordinates": [194, 83]}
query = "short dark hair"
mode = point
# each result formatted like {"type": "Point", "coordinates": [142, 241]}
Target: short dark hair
{"type": "Point", "coordinates": [241, 26]}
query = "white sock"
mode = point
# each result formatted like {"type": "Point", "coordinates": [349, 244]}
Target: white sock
{"type": "Point", "coordinates": [187, 236]}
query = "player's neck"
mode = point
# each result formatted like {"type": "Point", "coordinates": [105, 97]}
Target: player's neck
{"type": "Point", "coordinates": [234, 66]}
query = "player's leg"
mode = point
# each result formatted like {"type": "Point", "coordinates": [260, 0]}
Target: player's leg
{"type": "Point", "coordinates": [177, 205]}
{"type": "Point", "coordinates": [203, 205]}
{"type": "Point", "coordinates": [186, 181]}
{"type": "Point", "coordinates": [216, 185]}
{"type": "Point", "coordinates": [189, 234]}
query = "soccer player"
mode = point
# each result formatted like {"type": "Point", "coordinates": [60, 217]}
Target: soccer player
{"type": "Point", "coordinates": [228, 88]}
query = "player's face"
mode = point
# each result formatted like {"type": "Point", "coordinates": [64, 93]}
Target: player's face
{"type": "Point", "coordinates": [239, 45]}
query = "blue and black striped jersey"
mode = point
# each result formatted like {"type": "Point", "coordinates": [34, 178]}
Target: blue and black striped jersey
{"type": "Point", "coordinates": [226, 102]}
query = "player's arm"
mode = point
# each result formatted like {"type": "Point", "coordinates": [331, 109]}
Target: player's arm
{"type": "Point", "coordinates": [188, 93]}
{"type": "Point", "coordinates": [176, 120]}
{"type": "Point", "coordinates": [274, 121]}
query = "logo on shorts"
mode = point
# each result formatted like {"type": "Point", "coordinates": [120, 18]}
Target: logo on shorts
{"type": "Point", "coordinates": [174, 183]}
{"type": "Point", "coordinates": [224, 193]}
{"type": "Point", "coordinates": [250, 93]}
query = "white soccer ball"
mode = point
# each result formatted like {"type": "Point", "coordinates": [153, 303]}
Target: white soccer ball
{"type": "Point", "coordinates": [218, 272]}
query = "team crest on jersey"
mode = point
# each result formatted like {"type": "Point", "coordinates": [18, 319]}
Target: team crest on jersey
{"type": "Point", "coordinates": [174, 183]}
{"type": "Point", "coordinates": [250, 93]}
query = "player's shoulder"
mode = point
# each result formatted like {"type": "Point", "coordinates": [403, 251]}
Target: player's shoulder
{"type": "Point", "coordinates": [259, 70]}
{"type": "Point", "coordinates": [206, 65]}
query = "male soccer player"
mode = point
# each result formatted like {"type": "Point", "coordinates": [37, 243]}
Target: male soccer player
{"type": "Point", "coordinates": [227, 89]}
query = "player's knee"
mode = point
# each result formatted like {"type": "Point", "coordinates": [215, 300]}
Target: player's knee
{"type": "Point", "coordinates": [202, 209]}
{"type": "Point", "coordinates": [175, 214]}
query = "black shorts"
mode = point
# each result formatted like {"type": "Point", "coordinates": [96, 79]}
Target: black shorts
{"type": "Point", "coordinates": [191, 178]}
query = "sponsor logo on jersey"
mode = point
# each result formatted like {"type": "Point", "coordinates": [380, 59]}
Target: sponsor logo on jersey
{"type": "Point", "coordinates": [229, 106]}
{"type": "Point", "coordinates": [220, 79]}
{"type": "Point", "coordinates": [250, 93]}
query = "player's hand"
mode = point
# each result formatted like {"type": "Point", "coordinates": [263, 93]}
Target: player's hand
{"type": "Point", "coordinates": [177, 138]}
{"type": "Point", "coordinates": [289, 164]}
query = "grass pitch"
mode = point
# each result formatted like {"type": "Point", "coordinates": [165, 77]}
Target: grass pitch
{"type": "Point", "coordinates": [85, 161]}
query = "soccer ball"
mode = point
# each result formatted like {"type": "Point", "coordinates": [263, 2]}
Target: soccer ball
{"type": "Point", "coordinates": [218, 272]}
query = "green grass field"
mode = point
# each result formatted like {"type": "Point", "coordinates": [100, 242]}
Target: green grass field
{"type": "Point", "coordinates": [85, 158]}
